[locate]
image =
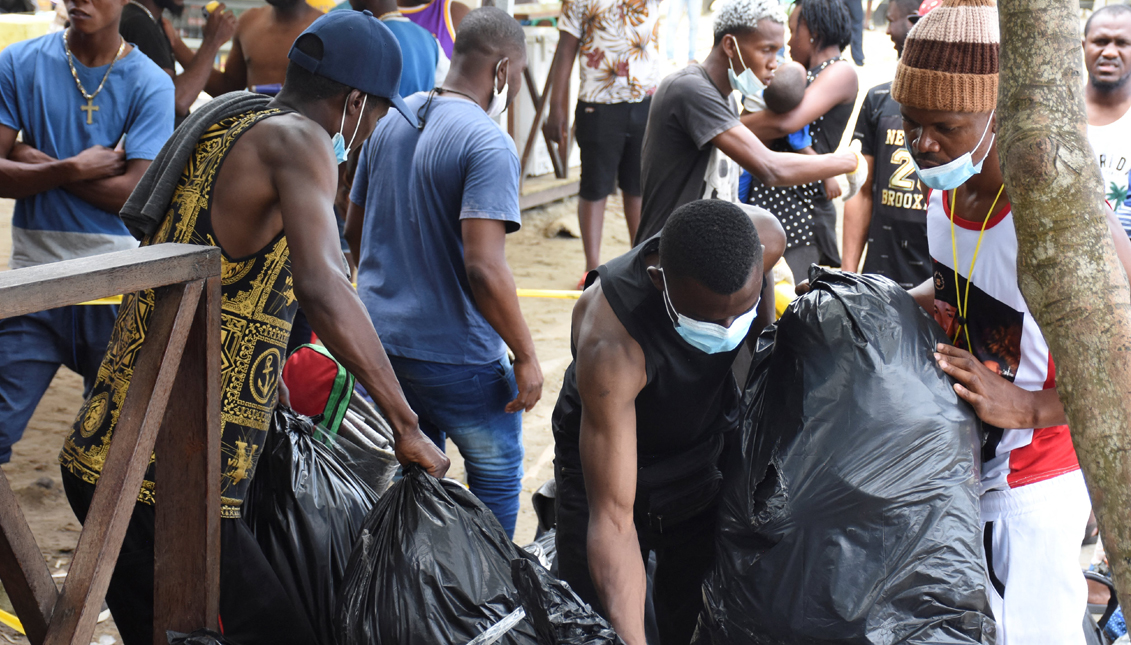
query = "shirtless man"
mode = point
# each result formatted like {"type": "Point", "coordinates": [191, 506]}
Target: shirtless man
{"type": "Point", "coordinates": [263, 37]}
{"type": "Point", "coordinates": [272, 179]}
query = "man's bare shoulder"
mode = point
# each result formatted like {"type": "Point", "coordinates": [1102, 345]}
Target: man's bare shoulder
{"type": "Point", "coordinates": [291, 140]}
{"type": "Point", "coordinates": [602, 341]}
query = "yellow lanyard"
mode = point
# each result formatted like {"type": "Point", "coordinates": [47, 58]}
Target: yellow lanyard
{"type": "Point", "coordinates": [963, 301]}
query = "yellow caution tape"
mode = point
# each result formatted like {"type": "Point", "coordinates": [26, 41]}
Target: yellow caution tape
{"type": "Point", "coordinates": [549, 293]}
{"type": "Point", "coordinates": [11, 621]}
{"type": "Point", "coordinates": [564, 294]}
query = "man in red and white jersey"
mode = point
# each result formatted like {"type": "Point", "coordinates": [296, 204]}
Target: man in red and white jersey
{"type": "Point", "coordinates": [1035, 503]}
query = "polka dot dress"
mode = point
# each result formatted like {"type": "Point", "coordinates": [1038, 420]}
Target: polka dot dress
{"type": "Point", "coordinates": [793, 205]}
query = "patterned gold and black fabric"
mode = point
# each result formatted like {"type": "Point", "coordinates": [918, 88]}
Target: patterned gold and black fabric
{"type": "Point", "coordinates": [258, 306]}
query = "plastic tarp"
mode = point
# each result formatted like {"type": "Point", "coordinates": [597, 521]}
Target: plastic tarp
{"type": "Point", "coordinates": [851, 512]}
{"type": "Point", "coordinates": [433, 565]}
{"type": "Point", "coordinates": [306, 510]}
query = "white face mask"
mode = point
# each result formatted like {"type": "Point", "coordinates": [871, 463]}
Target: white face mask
{"type": "Point", "coordinates": [341, 150]}
{"type": "Point", "coordinates": [499, 98]}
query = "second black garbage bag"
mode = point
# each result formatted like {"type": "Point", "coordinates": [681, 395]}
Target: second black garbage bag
{"type": "Point", "coordinates": [432, 565]}
{"type": "Point", "coordinates": [851, 513]}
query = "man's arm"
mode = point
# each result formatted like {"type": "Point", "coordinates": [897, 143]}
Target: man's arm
{"type": "Point", "coordinates": [924, 294]}
{"type": "Point", "coordinates": [857, 219]}
{"type": "Point", "coordinates": [110, 194]}
{"type": "Point", "coordinates": [995, 400]}
{"type": "Point", "coordinates": [780, 168]}
{"type": "Point", "coordinates": [458, 10]}
{"type": "Point", "coordinates": [32, 172]}
{"type": "Point", "coordinates": [234, 76]}
{"type": "Point", "coordinates": [556, 126]}
{"type": "Point", "coordinates": [492, 286]}
{"type": "Point", "coordinates": [610, 375]}
{"type": "Point", "coordinates": [773, 239]}
{"type": "Point", "coordinates": [306, 184]}
{"type": "Point", "coordinates": [219, 29]}
{"type": "Point", "coordinates": [181, 52]}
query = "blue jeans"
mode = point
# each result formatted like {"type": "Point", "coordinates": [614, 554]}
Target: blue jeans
{"type": "Point", "coordinates": [32, 348]}
{"type": "Point", "coordinates": [693, 9]}
{"type": "Point", "coordinates": [466, 403]}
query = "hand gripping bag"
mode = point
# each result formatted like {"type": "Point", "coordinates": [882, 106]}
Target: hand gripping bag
{"type": "Point", "coordinates": [851, 513]}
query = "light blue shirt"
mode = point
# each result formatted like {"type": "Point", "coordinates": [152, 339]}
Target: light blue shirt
{"type": "Point", "coordinates": [417, 186]}
{"type": "Point", "coordinates": [39, 97]}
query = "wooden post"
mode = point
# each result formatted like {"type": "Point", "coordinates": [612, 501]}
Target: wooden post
{"type": "Point", "coordinates": [22, 568]}
{"type": "Point", "coordinates": [187, 540]}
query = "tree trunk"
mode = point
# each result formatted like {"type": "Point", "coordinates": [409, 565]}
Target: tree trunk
{"type": "Point", "coordinates": [1066, 262]}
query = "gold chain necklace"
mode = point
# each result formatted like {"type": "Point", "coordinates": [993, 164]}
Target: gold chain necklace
{"type": "Point", "coordinates": [90, 108]}
{"type": "Point", "coordinates": [142, 7]}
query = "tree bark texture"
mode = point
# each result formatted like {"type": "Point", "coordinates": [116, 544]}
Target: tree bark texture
{"type": "Point", "coordinates": [1066, 262]}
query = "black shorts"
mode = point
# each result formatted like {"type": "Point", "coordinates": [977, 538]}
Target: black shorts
{"type": "Point", "coordinates": [610, 136]}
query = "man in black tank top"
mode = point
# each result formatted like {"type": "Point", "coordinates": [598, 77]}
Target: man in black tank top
{"type": "Point", "coordinates": [642, 416]}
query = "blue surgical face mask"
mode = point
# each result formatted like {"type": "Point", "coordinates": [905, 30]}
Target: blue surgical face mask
{"type": "Point", "coordinates": [747, 84]}
{"type": "Point", "coordinates": [958, 171]}
{"type": "Point", "coordinates": [709, 337]}
{"type": "Point", "coordinates": [341, 150]}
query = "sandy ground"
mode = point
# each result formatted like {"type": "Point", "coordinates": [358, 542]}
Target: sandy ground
{"type": "Point", "coordinates": [537, 261]}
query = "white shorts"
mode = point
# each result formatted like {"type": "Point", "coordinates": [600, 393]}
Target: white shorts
{"type": "Point", "coordinates": [1032, 538]}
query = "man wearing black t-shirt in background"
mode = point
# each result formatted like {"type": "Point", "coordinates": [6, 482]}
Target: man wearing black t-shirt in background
{"type": "Point", "coordinates": [143, 25]}
{"type": "Point", "coordinates": [889, 214]}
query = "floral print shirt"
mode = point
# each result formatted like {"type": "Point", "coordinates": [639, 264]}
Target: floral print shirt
{"type": "Point", "coordinates": [620, 56]}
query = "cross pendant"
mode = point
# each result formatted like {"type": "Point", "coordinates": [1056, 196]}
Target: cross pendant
{"type": "Point", "coordinates": [90, 108]}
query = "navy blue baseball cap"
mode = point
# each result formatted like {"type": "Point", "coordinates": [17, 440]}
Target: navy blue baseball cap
{"type": "Point", "coordinates": [357, 51]}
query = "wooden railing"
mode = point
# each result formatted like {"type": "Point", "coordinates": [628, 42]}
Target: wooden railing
{"type": "Point", "coordinates": [181, 354]}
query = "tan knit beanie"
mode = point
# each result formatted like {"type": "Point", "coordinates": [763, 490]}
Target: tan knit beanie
{"type": "Point", "coordinates": [950, 59]}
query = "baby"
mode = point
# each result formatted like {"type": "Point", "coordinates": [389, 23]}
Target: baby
{"type": "Point", "coordinates": [787, 89]}
{"type": "Point", "coordinates": [783, 94]}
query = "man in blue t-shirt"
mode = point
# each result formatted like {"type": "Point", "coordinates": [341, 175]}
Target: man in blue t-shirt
{"type": "Point", "coordinates": [425, 64]}
{"type": "Point", "coordinates": [428, 218]}
{"type": "Point", "coordinates": [93, 112]}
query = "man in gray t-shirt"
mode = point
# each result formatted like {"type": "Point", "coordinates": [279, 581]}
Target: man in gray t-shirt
{"type": "Point", "coordinates": [694, 141]}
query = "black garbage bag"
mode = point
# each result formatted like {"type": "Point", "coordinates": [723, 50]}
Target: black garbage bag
{"type": "Point", "coordinates": [850, 514]}
{"type": "Point", "coordinates": [199, 637]}
{"type": "Point", "coordinates": [432, 565]}
{"type": "Point", "coordinates": [306, 510]}
{"type": "Point", "coordinates": [545, 550]}
{"type": "Point", "coordinates": [559, 616]}
{"type": "Point", "coordinates": [373, 465]}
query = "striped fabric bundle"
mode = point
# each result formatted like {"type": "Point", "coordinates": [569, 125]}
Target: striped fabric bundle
{"type": "Point", "coordinates": [950, 59]}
